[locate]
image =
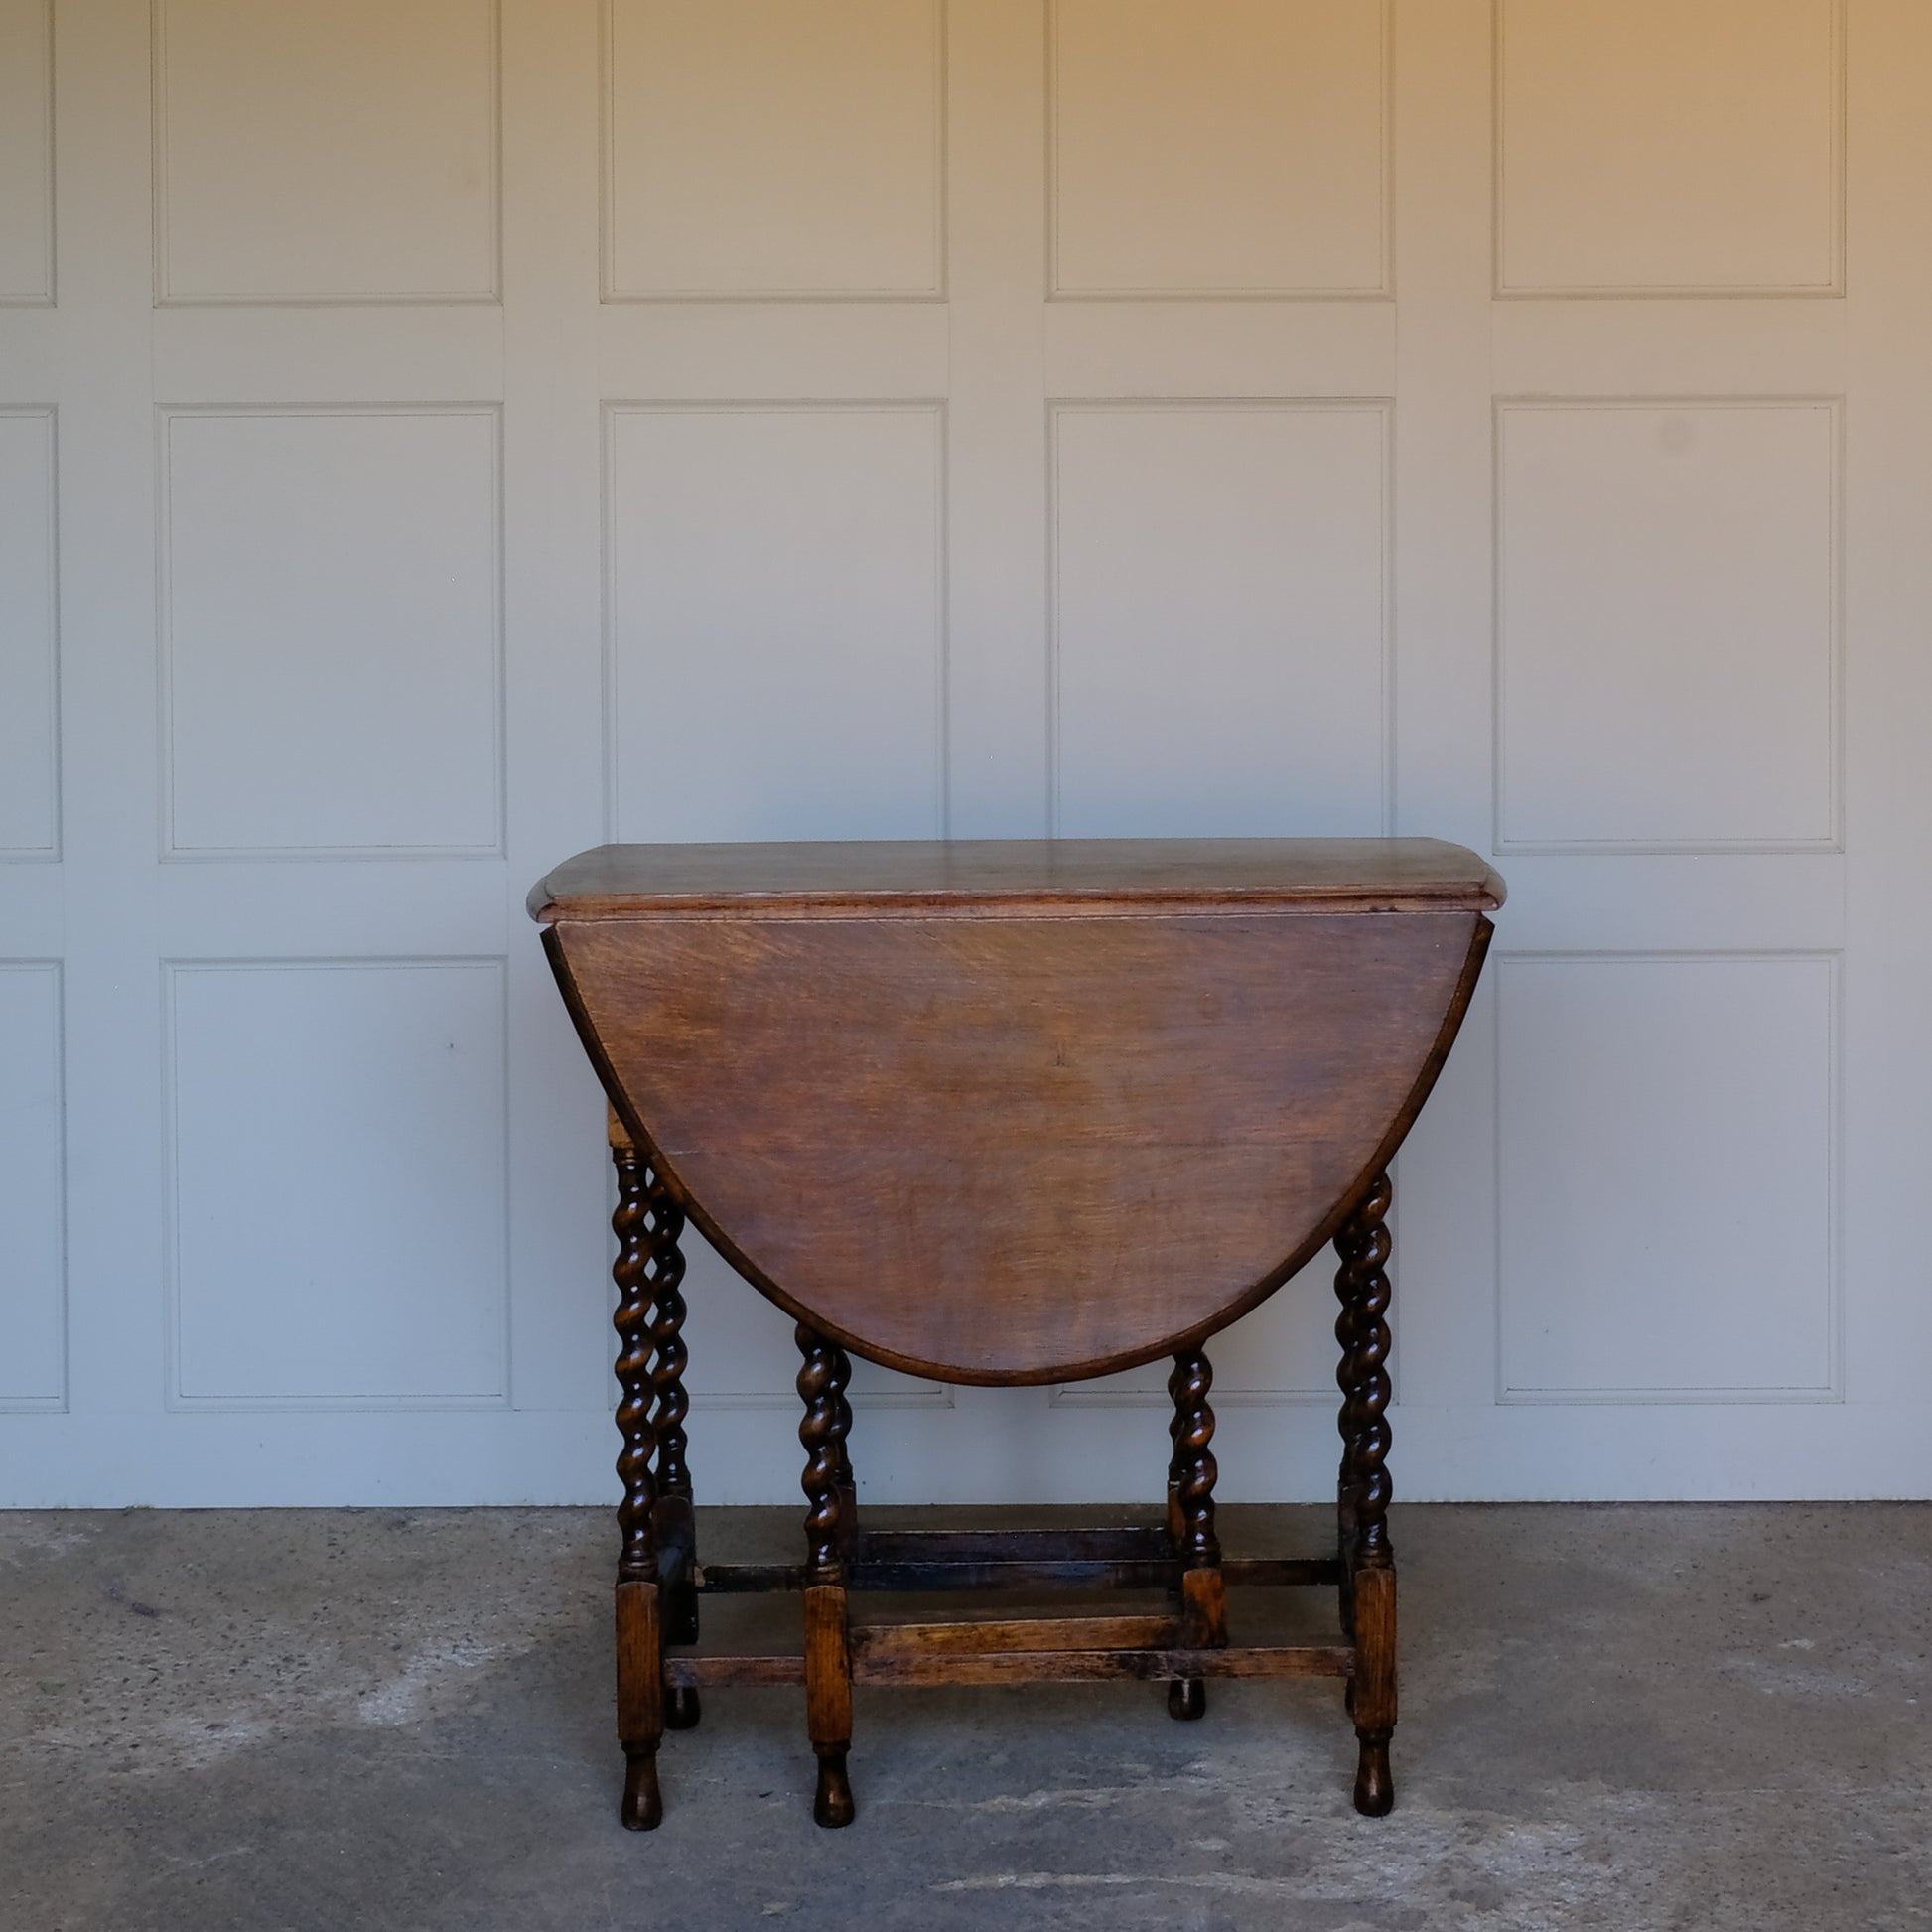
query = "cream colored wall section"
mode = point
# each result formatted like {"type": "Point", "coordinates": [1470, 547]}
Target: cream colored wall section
{"type": "Point", "coordinates": [1667, 661]}
{"type": "Point", "coordinates": [1229, 147]}
{"type": "Point", "coordinates": [331, 631]}
{"type": "Point", "coordinates": [1221, 641]}
{"type": "Point", "coordinates": [33, 1312]}
{"type": "Point", "coordinates": [1669, 147]}
{"type": "Point", "coordinates": [26, 151]}
{"type": "Point", "coordinates": [325, 150]}
{"type": "Point", "coordinates": [777, 622]}
{"type": "Point", "coordinates": [760, 148]}
{"type": "Point", "coordinates": [30, 766]}
{"type": "Point", "coordinates": [1620, 1080]}
{"type": "Point", "coordinates": [396, 1290]}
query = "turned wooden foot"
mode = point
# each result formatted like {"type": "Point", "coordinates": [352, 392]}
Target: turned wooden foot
{"type": "Point", "coordinates": [1374, 1783]}
{"type": "Point", "coordinates": [1186, 1697]}
{"type": "Point", "coordinates": [681, 1706]}
{"type": "Point", "coordinates": [643, 1803]}
{"type": "Point", "coordinates": [832, 1804]}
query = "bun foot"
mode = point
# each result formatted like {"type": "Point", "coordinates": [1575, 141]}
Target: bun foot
{"type": "Point", "coordinates": [643, 1803]}
{"type": "Point", "coordinates": [1374, 1783]}
{"type": "Point", "coordinates": [832, 1805]}
{"type": "Point", "coordinates": [1186, 1697]}
{"type": "Point", "coordinates": [681, 1706]}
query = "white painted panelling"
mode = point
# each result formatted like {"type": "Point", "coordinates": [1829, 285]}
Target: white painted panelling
{"type": "Point", "coordinates": [761, 439]}
{"type": "Point", "coordinates": [33, 1298]}
{"type": "Point", "coordinates": [26, 151]}
{"type": "Point", "coordinates": [29, 648]}
{"type": "Point", "coordinates": [1667, 1177]}
{"type": "Point", "coordinates": [331, 630]}
{"type": "Point", "coordinates": [336, 1134]}
{"type": "Point", "coordinates": [1669, 147]}
{"type": "Point", "coordinates": [764, 148]}
{"type": "Point", "coordinates": [777, 636]}
{"type": "Point", "coordinates": [1219, 147]}
{"type": "Point", "coordinates": [324, 150]}
{"type": "Point", "coordinates": [1220, 619]}
{"type": "Point", "coordinates": [1667, 625]}
{"type": "Point", "coordinates": [1285, 1351]}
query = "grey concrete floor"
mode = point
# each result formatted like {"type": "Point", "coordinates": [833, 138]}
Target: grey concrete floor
{"type": "Point", "coordinates": [1699, 1718]}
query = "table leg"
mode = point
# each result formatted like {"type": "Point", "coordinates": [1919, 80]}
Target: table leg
{"type": "Point", "coordinates": [640, 1626]}
{"type": "Point", "coordinates": [1369, 1559]}
{"type": "Point", "coordinates": [1203, 1591]}
{"type": "Point", "coordinates": [672, 1515]}
{"type": "Point", "coordinates": [1347, 1245]}
{"type": "Point", "coordinates": [822, 1378]}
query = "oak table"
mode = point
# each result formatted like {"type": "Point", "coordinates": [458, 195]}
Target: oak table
{"type": "Point", "coordinates": [1005, 1112]}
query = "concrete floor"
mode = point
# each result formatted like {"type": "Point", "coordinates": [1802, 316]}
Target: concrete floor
{"type": "Point", "coordinates": [1699, 1718]}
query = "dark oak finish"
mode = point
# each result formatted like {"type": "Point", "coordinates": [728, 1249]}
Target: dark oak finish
{"type": "Point", "coordinates": [920, 1094]}
{"type": "Point", "coordinates": [627, 881]}
{"type": "Point", "coordinates": [920, 1121]}
{"type": "Point", "coordinates": [1156, 1568]}
{"type": "Point", "coordinates": [822, 1379]}
{"type": "Point", "coordinates": [640, 1688]}
{"type": "Point", "coordinates": [932, 1670]}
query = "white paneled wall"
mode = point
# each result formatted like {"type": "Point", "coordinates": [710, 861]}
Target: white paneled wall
{"type": "Point", "coordinates": [26, 151]}
{"type": "Point", "coordinates": [330, 632]}
{"type": "Point", "coordinates": [341, 153]}
{"type": "Point", "coordinates": [33, 1312]}
{"type": "Point", "coordinates": [1632, 536]}
{"type": "Point", "coordinates": [435, 436]}
{"type": "Point", "coordinates": [30, 755]}
{"type": "Point", "coordinates": [1219, 586]}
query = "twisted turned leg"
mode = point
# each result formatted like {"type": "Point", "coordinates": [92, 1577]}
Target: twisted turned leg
{"type": "Point", "coordinates": [1346, 1246]}
{"type": "Point", "coordinates": [1369, 1559]}
{"type": "Point", "coordinates": [672, 1515]}
{"type": "Point", "coordinates": [822, 1379]}
{"type": "Point", "coordinates": [1204, 1604]}
{"type": "Point", "coordinates": [640, 1613]}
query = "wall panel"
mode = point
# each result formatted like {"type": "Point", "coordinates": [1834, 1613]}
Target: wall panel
{"type": "Point", "coordinates": [326, 151]}
{"type": "Point", "coordinates": [33, 1187]}
{"type": "Point", "coordinates": [757, 148]}
{"type": "Point", "coordinates": [1667, 1178]}
{"type": "Point", "coordinates": [29, 752]}
{"type": "Point", "coordinates": [1728, 113]}
{"type": "Point", "coordinates": [26, 151]}
{"type": "Point", "coordinates": [331, 631]}
{"type": "Point", "coordinates": [776, 635]}
{"type": "Point", "coordinates": [337, 1139]}
{"type": "Point", "coordinates": [1221, 658]}
{"type": "Point", "coordinates": [1667, 611]}
{"type": "Point", "coordinates": [1223, 148]}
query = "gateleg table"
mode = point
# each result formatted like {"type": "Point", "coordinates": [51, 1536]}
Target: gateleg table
{"type": "Point", "coordinates": [1005, 1112]}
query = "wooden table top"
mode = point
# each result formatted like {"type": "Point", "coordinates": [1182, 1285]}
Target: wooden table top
{"type": "Point", "coordinates": [630, 880]}
{"type": "Point", "coordinates": [1019, 1111]}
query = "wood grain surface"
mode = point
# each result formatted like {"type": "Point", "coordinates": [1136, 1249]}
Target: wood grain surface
{"type": "Point", "coordinates": [625, 882]}
{"type": "Point", "coordinates": [998, 1129]}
